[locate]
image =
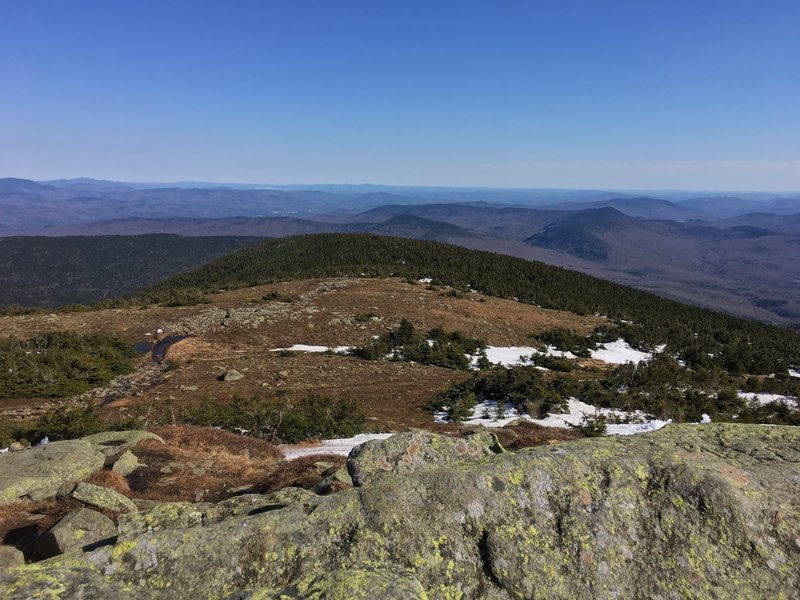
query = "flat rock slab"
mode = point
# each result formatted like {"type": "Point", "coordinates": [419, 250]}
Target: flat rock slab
{"type": "Point", "coordinates": [79, 528]}
{"type": "Point", "coordinates": [126, 464]}
{"type": "Point", "coordinates": [102, 497]}
{"type": "Point", "coordinates": [114, 443]}
{"type": "Point", "coordinates": [42, 472]}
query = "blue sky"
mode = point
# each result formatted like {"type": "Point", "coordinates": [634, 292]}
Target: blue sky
{"type": "Point", "coordinates": [701, 94]}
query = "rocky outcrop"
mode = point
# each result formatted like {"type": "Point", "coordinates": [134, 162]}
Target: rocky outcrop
{"type": "Point", "coordinates": [417, 449]}
{"type": "Point", "coordinates": [103, 498]}
{"type": "Point", "coordinates": [126, 464]}
{"type": "Point", "coordinates": [80, 528]}
{"type": "Point", "coordinates": [114, 444]}
{"type": "Point", "coordinates": [42, 472]}
{"type": "Point", "coordinates": [688, 511]}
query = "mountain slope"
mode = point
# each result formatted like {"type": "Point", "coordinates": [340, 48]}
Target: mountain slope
{"type": "Point", "coordinates": [326, 255]}
{"type": "Point", "coordinates": [48, 272]}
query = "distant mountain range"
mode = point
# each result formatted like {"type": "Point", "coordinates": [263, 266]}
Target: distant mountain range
{"type": "Point", "coordinates": [698, 249]}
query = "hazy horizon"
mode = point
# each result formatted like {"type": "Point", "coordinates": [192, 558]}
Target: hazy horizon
{"type": "Point", "coordinates": [621, 95]}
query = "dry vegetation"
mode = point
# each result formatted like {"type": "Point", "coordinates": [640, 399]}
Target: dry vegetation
{"type": "Point", "coordinates": [239, 330]}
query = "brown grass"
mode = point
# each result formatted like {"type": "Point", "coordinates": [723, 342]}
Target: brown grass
{"type": "Point", "coordinates": [526, 435]}
{"type": "Point", "coordinates": [299, 472]}
{"type": "Point", "coordinates": [14, 516]}
{"type": "Point", "coordinates": [200, 459]}
{"type": "Point", "coordinates": [108, 479]}
{"type": "Point", "coordinates": [219, 441]}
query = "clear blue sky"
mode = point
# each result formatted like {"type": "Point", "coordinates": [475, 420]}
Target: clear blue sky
{"type": "Point", "coordinates": [701, 94]}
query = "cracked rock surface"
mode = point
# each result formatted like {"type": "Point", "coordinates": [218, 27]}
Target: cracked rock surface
{"type": "Point", "coordinates": [688, 511]}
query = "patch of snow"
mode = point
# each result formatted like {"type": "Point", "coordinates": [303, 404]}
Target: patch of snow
{"type": "Point", "coordinates": [425, 280]}
{"type": "Point", "coordinates": [794, 373]}
{"type": "Point", "coordinates": [763, 399]}
{"type": "Point", "coordinates": [619, 353]}
{"type": "Point", "coordinates": [340, 446]}
{"type": "Point", "coordinates": [509, 356]}
{"type": "Point", "coordinates": [705, 419]}
{"type": "Point", "coordinates": [512, 356]}
{"type": "Point", "coordinates": [44, 441]}
{"type": "Point", "coordinates": [485, 414]}
{"type": "Point", "coordinates": [307, 348]}
{"type": "Point", "coordinates": [553, 351]}
{"type": "Point", "coordinates": [634, 428]}
{"type": "Point", "coordinates": [3, 450]}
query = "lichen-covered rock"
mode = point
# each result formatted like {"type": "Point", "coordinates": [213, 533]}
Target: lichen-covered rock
{"type": "Point", "coordinates": [404, 452]}
{"type": "Point", "coordinates": [77, 529]}
{"type": "Point", "coordinates": [10, 557]}
{"type": "Point", "coordinates": [164, 515]}
{"type": "Point", "coordinates": [114, 443]}
{"type": "Point", "coordinates": [184, 515]}
{"type": "Point", "coordinates": [76, 583]}
{"type": "Point", "coordinates": [335, 480]}
{"type": "Point", "coordinates": [102, 497]}
{"type": "Point", "coordinates": [42, 472]}
{"type": "Point", "coordinates": [356, 583]}
{"type": "Point", "coordinates": [126, 464]}
{"type": "Point", "coordinates": [685, 512]}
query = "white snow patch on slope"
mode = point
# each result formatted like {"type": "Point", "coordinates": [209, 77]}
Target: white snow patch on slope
{"type": "Point", "coordinates": [512, 356]}
{"type": "Point", "coordinates": [307, 348]}
{"type": "Point", "coordinates": [508, 356]}
{"type": "Point", "coordinates": [619, 353]}
{"type": "Point", "coordinates": [763, 399]}
{"type": "Point", "coordinates": [340, 446]}
{"type": "Point", "coordinates": [794, 373]}
{"type": "Point", "coordinates": [485, 414]}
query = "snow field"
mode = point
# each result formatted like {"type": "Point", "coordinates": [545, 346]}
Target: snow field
{"type": "Point", "coordinates": [485, 414]}
{"type": "Point", "coordinates": [763, 399]}
{"type": "Point", "coordinates": [339, 446]}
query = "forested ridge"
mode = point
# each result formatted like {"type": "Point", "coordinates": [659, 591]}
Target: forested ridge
{"type": "Point", "coordinates": [698, 335]}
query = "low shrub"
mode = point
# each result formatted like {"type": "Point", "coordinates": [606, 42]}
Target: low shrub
{"type": "Point", "coordinates": [281, 420]}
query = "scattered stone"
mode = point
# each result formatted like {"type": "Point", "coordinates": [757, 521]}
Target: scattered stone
{"type": "Point", "coordinates": [10, 557]}
{"type": "Point", "coordinates": [113, 443]}
{"type": "Point", "coordinates": [198, 471]}
{"type": "Point", "coordinates": [334, 481]}
{"type": "Point", "coordinates": [416, 449]}
{"type": "Point", "coordinates": [42, 472]}
{"type": "Point", "coordinates": [164, 515]}
{"type": "Point", "coordinates": [79, 528]}
{"type": "Point", "coordinates": [16, 447]}
{"type": "Point", "coordinates": [166, 470]}
{"type": "Point", "coordinates": [323, 465]}
{"type": "Point", "coordinates": [232, 375]}
{"type": "Point", "coordinates": [188, 388]}
{"type": "Point", "coordinates": [126, 464]}
{"type": "Point", "coordinates": [102, 497]}
{"type": "Point", "coordinates": [242, 489]}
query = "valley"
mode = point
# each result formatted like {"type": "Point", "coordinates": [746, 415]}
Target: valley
{"type": "Point", "coordinates": [725, 253]}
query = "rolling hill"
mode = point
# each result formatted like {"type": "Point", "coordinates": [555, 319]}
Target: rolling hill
{"type": "Point", "coordinates": [50, 272]}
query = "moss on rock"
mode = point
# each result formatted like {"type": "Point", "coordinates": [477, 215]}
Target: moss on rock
{"type": "Point", "coordinates": [688, 511]}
